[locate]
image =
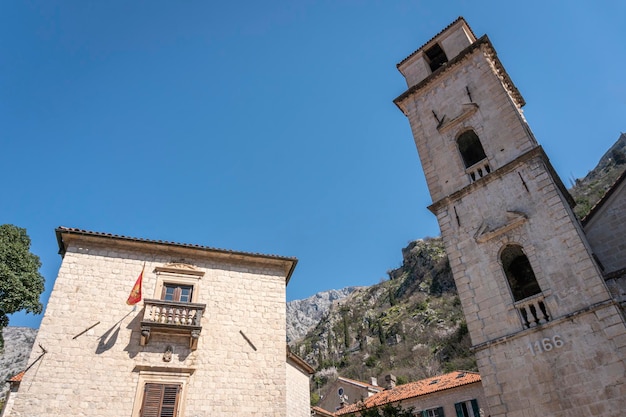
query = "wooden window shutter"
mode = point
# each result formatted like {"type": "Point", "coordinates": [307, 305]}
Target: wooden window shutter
{"type": "Point", "coordinates": [475, 408]}
{"type": "Point", "coordinates": [177, 293]}
{"type": "Point", "coordinates": [459, 409]}
{"type": "Point", "coordinates": [160, 400]}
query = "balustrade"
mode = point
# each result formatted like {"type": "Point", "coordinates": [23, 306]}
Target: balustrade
{"type": "Point", "coordinates": [478, 170]}
{"type": "Point", "coordinates": [533, 311]}
{"type": "Point", "coordinates": [172, 317]}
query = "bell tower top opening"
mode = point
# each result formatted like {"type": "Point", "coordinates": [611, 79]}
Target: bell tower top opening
{"type": "Point", "coordinates": [435, 53]}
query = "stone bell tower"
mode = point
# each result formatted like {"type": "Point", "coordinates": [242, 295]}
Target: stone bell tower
{"type": "Point", "coordinates": [548, 337]}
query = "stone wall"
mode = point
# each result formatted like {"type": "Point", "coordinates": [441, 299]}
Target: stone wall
{"type": "Point", "coordinates": [298, 394]}
{"type": "Point", "coordinates": [555, 371]}
{"type": "Point", "coordinates": [606, 230]}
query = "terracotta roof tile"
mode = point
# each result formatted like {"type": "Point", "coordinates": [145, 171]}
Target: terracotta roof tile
{"type": "Point", "coordinates": [318, 411]}
{"type": "Point", "coordinates": [414, 389]}
{"type": "Point", "coordinates": [458, 19]}
{"type": "Point", "coordinates": [17, 377]}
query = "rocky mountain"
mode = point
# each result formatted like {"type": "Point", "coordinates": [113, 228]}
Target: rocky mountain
{"type": "Point", "coordinates": [411, 325]}
{"type": "Point", "coordinates": [18, 342]}
{"type": "Point", "coordinates": [589, 190]}
{"type": "Point", "coordinates": [303, 315]}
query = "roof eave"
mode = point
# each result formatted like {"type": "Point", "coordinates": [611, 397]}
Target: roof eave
{"type": "Point", "coordinates": [62, 233]}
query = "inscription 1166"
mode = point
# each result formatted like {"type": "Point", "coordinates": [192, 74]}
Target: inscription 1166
{"type": "Point", "coordinates": [546, 345]}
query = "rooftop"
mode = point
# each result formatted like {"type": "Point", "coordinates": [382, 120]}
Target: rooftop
{"type": "Point", "coordinates": [414, 389]}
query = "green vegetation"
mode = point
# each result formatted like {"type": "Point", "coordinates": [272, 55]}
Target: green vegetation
{"type": "Point", "coordinates": [410, 325]}
{"type": "Point", "coordinates": [21, 284]}
{"type": "Point", "coordinates": [589, 190]}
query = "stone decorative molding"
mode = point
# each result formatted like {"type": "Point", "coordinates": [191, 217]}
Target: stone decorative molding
{"type": "Point", "coordinates": [179, 268]}
{"type": "Point", "coordinates": [468, 110]}
{"type": "Point", "coordinates": [514, 219]}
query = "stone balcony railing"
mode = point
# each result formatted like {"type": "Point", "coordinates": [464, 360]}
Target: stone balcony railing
{"type": "Point", "coordinates": [533, 311]}
{"type": "Point", "coordinates": [478, 170]}
{"type": "Point", "coordinates": [172, 317]}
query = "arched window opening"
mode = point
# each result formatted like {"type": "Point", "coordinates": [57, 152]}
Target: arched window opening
{"type": "Point", "coordinates": [436, 57]}
{"type": "Point", "coordinates": [519, 273]}
{"type": "Point", "coordinates": [471, 149]}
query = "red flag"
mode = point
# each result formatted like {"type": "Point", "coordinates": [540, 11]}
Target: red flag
{"type": "Point", "coordinates": [135, 293]}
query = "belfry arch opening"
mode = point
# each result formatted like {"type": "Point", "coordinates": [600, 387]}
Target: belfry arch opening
{"type": "Point", "coordinates": [519, 273]}
{"type": "Point", "coordinates": [470, 147]}
{"type": "Point", "coordinates": [436, 57]}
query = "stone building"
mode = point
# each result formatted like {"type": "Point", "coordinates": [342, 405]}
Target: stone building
{"type": "Point", "coordinates": [453, 394]}
{"type": "Point", "coordinates": [344, 391]}
{"type": "Point", "coordinates": [549, 337]}
{"type": "Point", "coordinates": [605, 227]}
{"type": "Point", "coordinates": [207, 339]}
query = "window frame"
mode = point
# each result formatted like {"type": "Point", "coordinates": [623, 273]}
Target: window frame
{"type": "Point", "coordinates": [469, 405]}
{"type": "Point", "coordinates": [166, 378]}
{"type": "Point", "coordinates": [155, 397]}
{"type": "Point", "coordinates": [433, 412]}
{"type": "Point", "coordinates": [517, 291]}
{"type": "Point", "coordinates": [476, 141]}
{"type": "Point", "coordinates": [435, 57]}
{"type": "Point", "coordinates": [178, 292]}
{"type": "Point", "coordinates": [185, 278]}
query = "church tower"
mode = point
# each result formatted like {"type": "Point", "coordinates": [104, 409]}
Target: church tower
{"type": "Point", "coordinates": [548, 337]}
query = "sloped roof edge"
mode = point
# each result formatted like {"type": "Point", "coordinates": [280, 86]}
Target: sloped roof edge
{"type": "Point", "coordinates": [62, 230]}
{"type": "Point", "coordinates": [457, 20]}
{"type": "Point", "coordinates": [607, 196]}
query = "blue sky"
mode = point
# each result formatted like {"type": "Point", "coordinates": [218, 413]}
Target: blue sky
{"type": "Point", "coordinates": [269, 126]}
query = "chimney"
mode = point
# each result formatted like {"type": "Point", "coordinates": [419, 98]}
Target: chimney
{"type": "Point", "coordinates": [374, 381]}
{"type": "Point", "coordinates": [390, 381]}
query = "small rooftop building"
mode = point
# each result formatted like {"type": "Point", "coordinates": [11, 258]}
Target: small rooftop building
{"type": "Point", "coordinates": [344, 391]}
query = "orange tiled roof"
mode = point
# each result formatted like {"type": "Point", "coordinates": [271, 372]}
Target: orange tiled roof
{"type": "Point", "coordinates": [414, 389]}
{"type": "Point", "coordinates": [318, 411]}
{"type": "Point", "coordinates": [17, 377]}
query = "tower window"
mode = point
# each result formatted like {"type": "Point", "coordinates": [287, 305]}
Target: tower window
{"type": "Point", "coordinates": [519, 273]}
{"type": "Point", "coordinates": [435, 57]}
{"type": "Point", "coordinates": [471, 149]}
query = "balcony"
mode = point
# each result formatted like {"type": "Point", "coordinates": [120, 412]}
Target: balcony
{"type": "Point", "coordinates": [172, 318]}
{"type": "Point", "coordinates": [478, 170]}
{"type": "Point", "coordinates": [533, 311]}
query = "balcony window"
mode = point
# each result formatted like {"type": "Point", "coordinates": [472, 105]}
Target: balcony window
{"type": "Point", "coordinates": [470, 147]}
{"type": "Point", "coordinates": [177, 292]}
{"type": "Point", "coordinates": [174, 309]}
